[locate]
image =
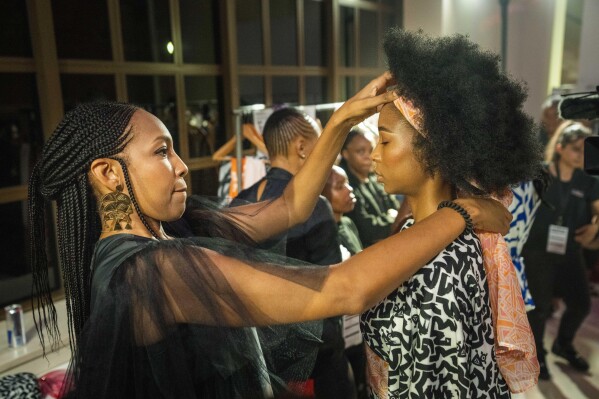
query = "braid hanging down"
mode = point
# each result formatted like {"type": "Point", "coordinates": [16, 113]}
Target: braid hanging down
{"type": "Point", "coordinates": [133, 200]}
{"type": "Point", "coordinates": [88, 132]}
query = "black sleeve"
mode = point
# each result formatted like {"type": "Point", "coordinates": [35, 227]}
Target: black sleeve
{"type": "Point", "coordinates": [318, 242]}
{"type": "Point", "coordinates": [174, 322]}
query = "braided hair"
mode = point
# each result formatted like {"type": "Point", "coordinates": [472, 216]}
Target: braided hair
{"type": "Point", "coordinates": [88, 132]}
{"type": "Point", "coordinates": [283, 126]}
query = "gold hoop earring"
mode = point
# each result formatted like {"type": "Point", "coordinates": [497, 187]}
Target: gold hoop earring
{"type": "Point", "coordinates": [115, 209]}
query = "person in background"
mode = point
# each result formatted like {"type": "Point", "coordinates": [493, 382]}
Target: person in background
{"type": "Point", "coordinates": [554, 262]}
{"type": "Point", "coordinates": [340, 194]}
{"type": "Point", "coordinates": [550, 119]}
{"type": "Point", "coordinates": [526, 200]}
{"type": "Point", "coordinates": [375, 210]}
{"type": "Point", "coordinates": [290, 136]}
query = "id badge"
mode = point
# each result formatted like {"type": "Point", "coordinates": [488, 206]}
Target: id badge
{"type": "Point", "coordinates": [557, 239]}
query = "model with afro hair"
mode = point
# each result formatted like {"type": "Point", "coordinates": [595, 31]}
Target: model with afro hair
{"type": "Point", "coordinates": [457, 128]}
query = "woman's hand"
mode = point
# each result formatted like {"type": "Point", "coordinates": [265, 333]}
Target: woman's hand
{"type": "Point", "coordinates": [487, 214]}
{"type": "Point", "coordinates": [586, 234]}
{"type": "Point", "coordinates": [366, 102]}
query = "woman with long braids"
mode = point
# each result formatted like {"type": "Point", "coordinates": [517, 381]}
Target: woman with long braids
{"type": "Point", "coordinates": [152, 316]}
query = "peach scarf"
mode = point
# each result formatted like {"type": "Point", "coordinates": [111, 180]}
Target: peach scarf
{"type": "Point", "coordinates": [514, 341]}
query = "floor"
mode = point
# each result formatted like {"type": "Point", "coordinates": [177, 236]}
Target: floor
{"type": "Point", "coordinates": [567, 383]}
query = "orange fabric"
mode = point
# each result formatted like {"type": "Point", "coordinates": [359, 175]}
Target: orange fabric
{"type": "Point", "coordinates": [514, 341]}
{"type": "Point", "coordinates": [234, 184]}
{"type": "Point", "coordinates": [411, 113]}
{"type": "Point", "coordinates": [377, 373]}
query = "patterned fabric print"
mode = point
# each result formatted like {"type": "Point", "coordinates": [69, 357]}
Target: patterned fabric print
{"type": "Point", "coordinates": [524, 207]}
{"type": "Point", "coordinates": [435, 331]}
{"type": "Point", "coordinates": [514, 341]}
{"type": "Point", "coordinates": [20, 386]}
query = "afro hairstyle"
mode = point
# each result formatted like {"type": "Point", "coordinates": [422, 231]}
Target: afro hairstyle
{"type": "Point", "coordinates": [476, 135]}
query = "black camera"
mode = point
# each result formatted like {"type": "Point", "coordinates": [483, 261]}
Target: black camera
{"type": "Point", "coordinates": [584, 106]}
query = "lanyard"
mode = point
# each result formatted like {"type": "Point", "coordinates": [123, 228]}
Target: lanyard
{"type": "Point", "coordinates": [563, 199]}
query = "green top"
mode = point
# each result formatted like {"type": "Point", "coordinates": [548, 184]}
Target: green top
{"type": "Point", "coordinates": [349, 236]}
{"type": "Point", "coordinates": [370, 213]}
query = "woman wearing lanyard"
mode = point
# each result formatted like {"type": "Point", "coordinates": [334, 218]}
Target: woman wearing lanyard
{"type": "Point", "coordinates": [553, 252]}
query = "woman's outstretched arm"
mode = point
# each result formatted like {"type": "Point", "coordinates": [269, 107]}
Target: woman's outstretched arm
{"type": "Point", "coordinates": [207, 287]}
{"type": "Point", "coordinates": [363, 280]}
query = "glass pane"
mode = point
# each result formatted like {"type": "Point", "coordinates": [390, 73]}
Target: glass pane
{"type": "Point", "coordinates": [390, 21]}
{"type": "Point", "coordinates": [81, 29]}
{"type": "Point", "coordinates": [316, 90]}
{"type": "Point", "coordinates": [283, 32]}
{"type": "Point", "coordinates": [204, 181]}
{"type": "Point", "coordinates": [14, 40]}
{"type": "Point", "coordinates": [284, 90]}
{"type": "Point", "coordinates": [369, 43]}
{"type": "Point", "coordinates": [323, 116]}
{"type": "Point", "coordinates": [157, 95]}
{"type": "Point", "coordinates": [346, 87]}
{"type": "Point", "coordinates": [15, 271]}
{"type": "Point", "coordinates": [146, 27]}
{"type": "Point", "coordinates": [251, 90]}
{"type": "Point", "coordinates": [21, 136]}
{"type": "Point", "coordinates": [199, 30]}
{"type": "Point", "coordinates": [571, 51]}
{"type": "Point", "coordinates": [316, 33]}
{"type": "Point", "coordinates": [249, 32]}
{"type": "Point", "coordinates": [204, 114]}
{"type": "Point", "coordinates": [347, 37]}
{"type": "Point", "coordinates": [78, 88]}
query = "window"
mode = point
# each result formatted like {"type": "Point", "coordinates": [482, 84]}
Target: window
{"type": "Point", "coordinates": [146, 30]}
{"type": "Point", "coordinates": [204, 114]}
{"type": "Point", "coordinates": [78, 88]}
{"type": "Point", "coordinates": [81, 29]}
{"type": "Point", "coordinates": [249, 31]}
{"type": "Point", "coordinates": [283, 32]}
{"type": "Point", "coordinates": [14, 40]}
{"type": "Point", "coordinates": [199, 31]}
{"type": "Point", "coordinates": [21, 141]}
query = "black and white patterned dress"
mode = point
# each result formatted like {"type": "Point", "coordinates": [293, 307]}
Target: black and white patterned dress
{"type": "Point", "coordinates": [435, 332]}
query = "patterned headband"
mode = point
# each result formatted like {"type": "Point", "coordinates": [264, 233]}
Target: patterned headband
{"type": "Point", "coordinates": [410, 112]}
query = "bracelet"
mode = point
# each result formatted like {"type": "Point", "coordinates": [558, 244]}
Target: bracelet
{"type": "Point", "coordinates": [452, 205]}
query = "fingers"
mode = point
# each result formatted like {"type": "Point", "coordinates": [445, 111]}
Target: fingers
{"type": "Point", "coordinates": [378, 100]}
{"type": "Point", "coordinates": [376, 86]}
{"type": "Point", "coordinates": [382, 81]}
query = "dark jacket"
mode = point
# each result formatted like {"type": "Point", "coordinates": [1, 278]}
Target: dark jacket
{"type": "Point", "coordinates": [370, 213]}
{"type": "Point", "coordinates": [313, 241]}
